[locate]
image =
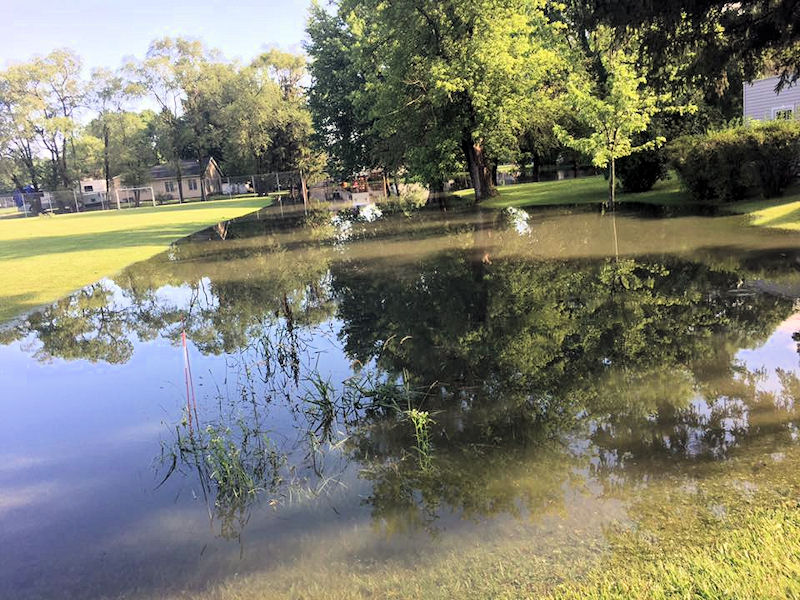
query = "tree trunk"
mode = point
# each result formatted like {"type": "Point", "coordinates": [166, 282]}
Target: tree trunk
{"type": "Point", "coordinates": [478, 168]}
{"type": "Point", "coordinates": [304, 190]}
{"type": "Point", "coordinates": [106, 161]}
{"type": "Point", "coordinates": [202, 181]}
{"type": "Point", "coordinates": [537, 167]}
{"type": "Point", "coordinates": [54, 162]}
{"type": "Point", "coordinates": [180, 181]}
{"type": "Point", "coordinates": [612, 185]}
{"type": "Point", "coordinates": [436, 194]}
{"type": "Point", "coordinates": [30, 166]}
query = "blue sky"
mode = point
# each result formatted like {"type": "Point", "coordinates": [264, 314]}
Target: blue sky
{"type": "Point", "coordinates": [103, 32]}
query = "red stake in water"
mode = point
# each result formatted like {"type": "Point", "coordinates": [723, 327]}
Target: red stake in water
{"type": "Point", "coordinates": [191, 402]}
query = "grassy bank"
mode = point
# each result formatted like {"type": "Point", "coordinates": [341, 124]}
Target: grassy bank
{"type": "Point", "coordinates": [44, 258]}
{"type": "Point", "coordinates": [585, 190]}
{"type": "Point", "coordinates": [780, 213]}
{"type": "Point", "coordinates": [759, 558]}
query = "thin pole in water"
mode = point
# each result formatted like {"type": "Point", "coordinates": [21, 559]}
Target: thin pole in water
{"type": "Point", "coordinates": [191, 402]}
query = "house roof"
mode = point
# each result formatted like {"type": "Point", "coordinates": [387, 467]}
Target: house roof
{"type": "Point", "coordinates": [189, 168]}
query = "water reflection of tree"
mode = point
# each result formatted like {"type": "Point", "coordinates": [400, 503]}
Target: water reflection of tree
{"type": "Point", "coordinates": [85, 325]}
{"type": "Point", "coordinates": [224, 304]}
{"type": "Point", "coordinates": [526, 354]}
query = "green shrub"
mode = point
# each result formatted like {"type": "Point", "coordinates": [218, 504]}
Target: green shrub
{"type": "Point", "coordinates": [640, 171]}
{"type": "Point", "coordinates": [775, 148]}
{"type": "Point", "coordinates": [726, 165]}
{"type": "Point", "coordinates": [407, 203]}
{"type": "Point", "coordinates": [713, 167]}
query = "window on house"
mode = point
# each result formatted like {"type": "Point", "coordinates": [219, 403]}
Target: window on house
{"type": "Point", "coordinates": [784, 112]}
{"type": "Point", "coordinates": [169, 186]}
{"type": "Point", "coordinates": [88, 188]}
{"type": "Point", "coordinates": [193, 184]}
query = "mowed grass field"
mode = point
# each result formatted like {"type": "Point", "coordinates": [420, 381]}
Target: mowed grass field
{"type": "Point", "coordinates": [584, 190]}
{"type": "Point", "coordinates": [777, 213]}
{"type": "Point", "coordinates": [45, 258]}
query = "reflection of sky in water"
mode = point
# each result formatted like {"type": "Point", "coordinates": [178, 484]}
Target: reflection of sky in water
{"type": "Point", "coordinates": [779, 352]}
{"type": "Point", "coordinates": [79, 452]}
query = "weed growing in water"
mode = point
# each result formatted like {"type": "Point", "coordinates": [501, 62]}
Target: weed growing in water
{"type": "Point", "coordinates": [422, 422]}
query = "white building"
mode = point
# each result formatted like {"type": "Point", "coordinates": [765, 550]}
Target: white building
{"type": "Point", "coordinates": [89, 186]}
{"type": "Point", "coordinates": [762, 103]}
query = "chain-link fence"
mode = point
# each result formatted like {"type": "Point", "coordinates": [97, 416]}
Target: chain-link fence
{"type": "Point", "coordinates": [31, 203]}
{"type": "Point", "coordinates": [287, 184]}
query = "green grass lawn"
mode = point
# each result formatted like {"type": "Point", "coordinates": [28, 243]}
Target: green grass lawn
{"type": "Point", "coordinates": [584, 190]}
{"type": "Point", "coordinates": [780, 213]}
{"type": "Point", "coordinates": [44, 258]}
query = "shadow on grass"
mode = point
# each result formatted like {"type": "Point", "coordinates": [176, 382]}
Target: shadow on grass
{"type": "Point", "coordinates": [12, 306]}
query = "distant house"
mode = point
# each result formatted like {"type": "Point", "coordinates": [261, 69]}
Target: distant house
{"type": "Point", "coordinates": [164, 179]}
{"type": "Point", "coordinates": [762, 103]}
{"type": "Point", "coordinates": [92, 186]}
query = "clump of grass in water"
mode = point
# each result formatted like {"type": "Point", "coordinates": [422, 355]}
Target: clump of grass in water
{"type": "Point", "coordinates": [321, 405]}
{"type": "Point", "coordinates": [422, 422]}
{"type": "Point", "coordinates": [372, 393]}
{"type": "Point", "coordinates": [234, 467]}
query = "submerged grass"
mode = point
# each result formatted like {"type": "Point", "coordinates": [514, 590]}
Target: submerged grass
{"type": "Point", "coordinates": [712, 530]}
{"type": "Point", "coordinates": [758, 558]}
{"type": "Point", "coordinates": [45, 258]}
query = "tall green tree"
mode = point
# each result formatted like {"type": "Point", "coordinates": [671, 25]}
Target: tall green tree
{"type": "Point", "coordinates": [108, 94]}
{"type": "Point", "coordinates": [440, 79]}
{"type": "Point", "coordinates": [41, 99]}
{"type": "Point", "coordinates": [615, 108]}
{"type": "Point", "coordinates": [264, 116]}
{"type": "Point", "coordinates": [170, 66]}
{"type": "Point", "coordinates": [341, 122]}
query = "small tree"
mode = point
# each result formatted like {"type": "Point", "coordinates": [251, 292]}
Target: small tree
{"type": "Point", "coordinates": [615, 108]}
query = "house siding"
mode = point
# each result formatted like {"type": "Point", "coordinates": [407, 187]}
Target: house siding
{"type": "Point", "coordinates": [760, 99]}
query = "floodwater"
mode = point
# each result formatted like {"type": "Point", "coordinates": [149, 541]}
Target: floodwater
{"type": "Point", "coordinates": [399, 407]}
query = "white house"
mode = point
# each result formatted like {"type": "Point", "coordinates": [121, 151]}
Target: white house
{"type": "Point", "coordinates": [762, 103]}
